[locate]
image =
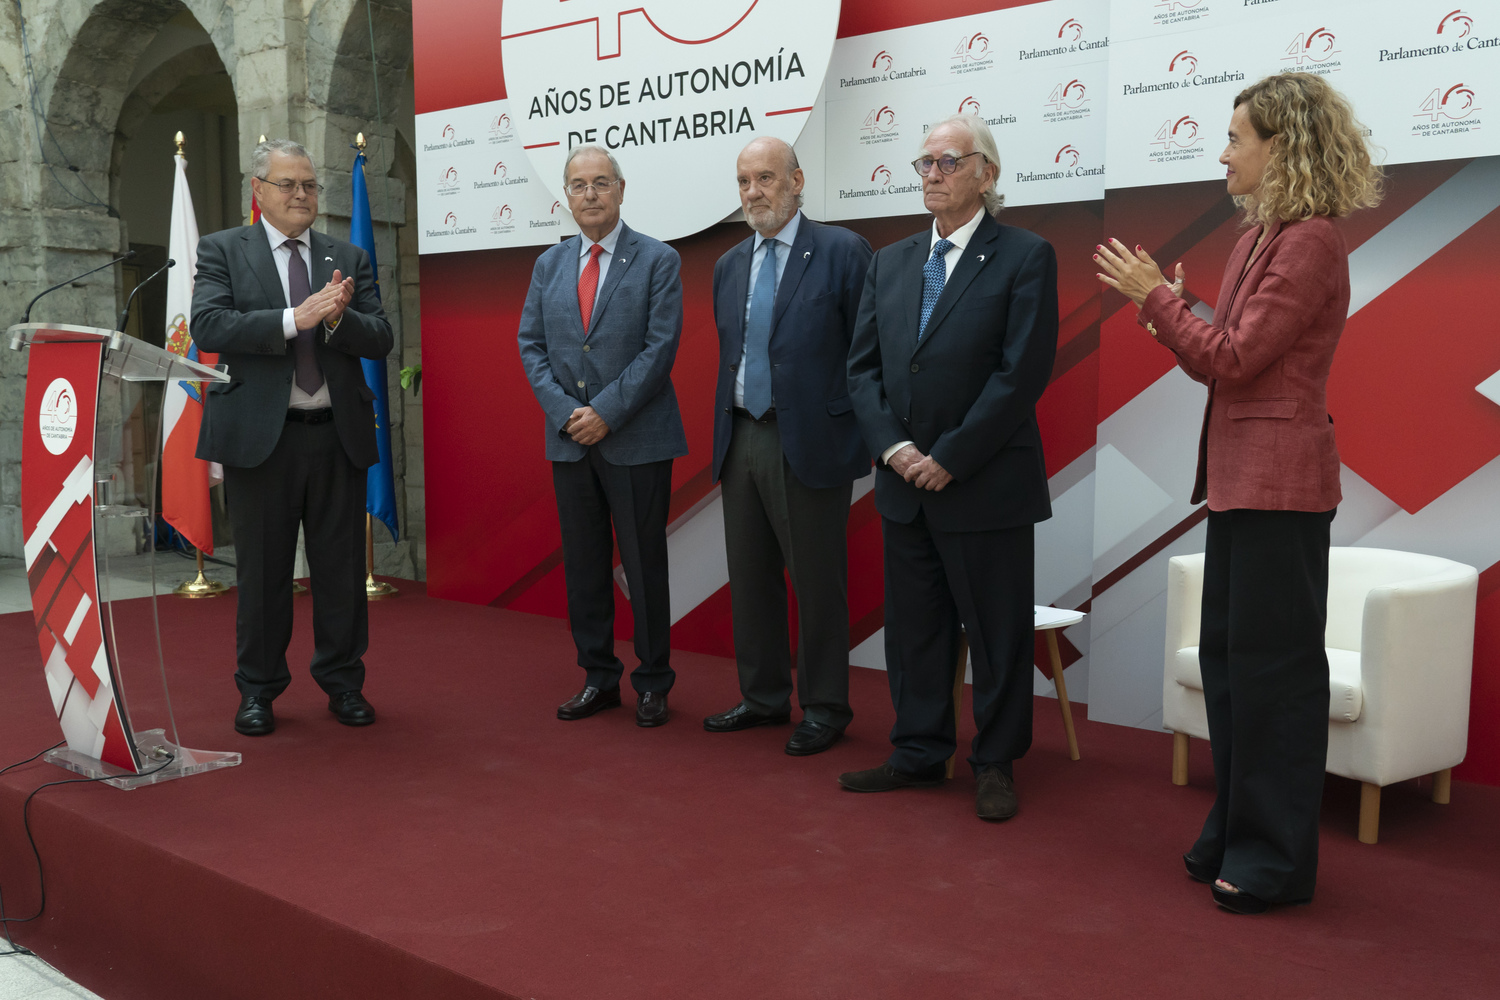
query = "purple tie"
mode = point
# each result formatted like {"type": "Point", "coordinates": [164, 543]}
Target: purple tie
{"type": "Point", "coordinates": [309, 375]}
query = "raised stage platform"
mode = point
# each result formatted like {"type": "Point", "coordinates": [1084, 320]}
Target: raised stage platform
{"type": "Point", "coordinates": [470, 845]}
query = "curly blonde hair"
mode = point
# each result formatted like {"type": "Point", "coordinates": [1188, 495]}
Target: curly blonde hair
{"type": "Point", "coordinates": [1321, 165]}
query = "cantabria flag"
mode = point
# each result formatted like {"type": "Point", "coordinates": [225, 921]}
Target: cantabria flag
{"type": "Point", "coordinates": [185, 479]}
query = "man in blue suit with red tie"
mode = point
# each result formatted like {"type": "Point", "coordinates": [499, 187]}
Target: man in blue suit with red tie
{"type": "Point", "coordinates": [598, 336]}
{"type": "Point", "coordinates": [787, 449]}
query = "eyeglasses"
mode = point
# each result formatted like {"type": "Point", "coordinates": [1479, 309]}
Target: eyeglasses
{"type": "Point", "coordinates": [310, 188]}
{"type": "Point", "coordinates": [578, 188]}
{"type": "Point", "coordinates": [947, 164]}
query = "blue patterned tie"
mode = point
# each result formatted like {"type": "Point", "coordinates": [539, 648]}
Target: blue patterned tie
{"type": "Point", "coordinates": [758, 334]}
{"type": "Point", "coordinates": [934, 276]}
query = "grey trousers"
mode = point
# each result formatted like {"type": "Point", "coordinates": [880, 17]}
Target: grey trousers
{"type": "Point", "coordinates": [775, 527]}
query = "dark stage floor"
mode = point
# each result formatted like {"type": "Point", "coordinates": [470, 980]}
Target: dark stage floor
{"type": "Point", "coordinates": [471, 845]}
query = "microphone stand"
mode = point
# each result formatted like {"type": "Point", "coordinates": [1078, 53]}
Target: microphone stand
{"type": "Point", "coordinates": [125, 256]}
{"type": "Point", "coordinates": [125, 313]}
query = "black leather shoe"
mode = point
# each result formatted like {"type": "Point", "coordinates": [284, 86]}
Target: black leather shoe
{"type": "Point", "coordinates": [742, 716]}
{"type": "Point", "coordinates": [995, 798]}
{"type": "Point", "coordinates": [1237, 900]}
{"type": "Point", "coordinates": [887, 779]}
{"type": "Point", "coordinates": [651, 709]}
{"type": "Point", "coordinates": [811, 737]}
{"type": "Point", "coordinates": [254, 717]}
{"type": "Point", "coordinates": [351, 709]}
{"type": "Point", "coordinates": [588, 701]}
{"type": "Point", "coordinates": [1198, 869]}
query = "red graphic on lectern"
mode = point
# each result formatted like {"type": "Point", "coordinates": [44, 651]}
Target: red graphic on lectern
{"type": "Point", "coordinates": [1071, 29]}
{"type": "Point", "coordinates": [57, 524]}
{"type": "Point", "coordinates": [451, 219]}
{"type": "Point", "coordinates": [882, 61]}
{"type": "Point", "coordinates": [1454, 104]}
{"type": "Point", "coordinates": [682, 23]}
{"type": "Point", "coordinates": [499, 171]}
{"type": "Point", "coordinates": [1459, 21]}
{"type": "Point", "coordinates": [448, 132]}
{"type": "Point", "coordinates": [1067, 156]}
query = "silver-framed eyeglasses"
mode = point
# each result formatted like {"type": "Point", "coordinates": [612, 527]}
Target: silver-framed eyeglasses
{"type": "Point", "coordinates": [946, 164]}
{"type": "Point", "coordinates": [309, 188]}
{"type": "Point", "coordinates": [601, 188]}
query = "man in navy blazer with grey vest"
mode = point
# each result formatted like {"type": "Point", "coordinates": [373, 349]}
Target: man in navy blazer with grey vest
{"type": "Point", "coordinates": [598, 336]}
{"type": "Point", "coordinates": [787, 449]}
{"type": "Point", "coordinates": [952, 350]}
{"type": "Point", "coordinates": [294, 429]}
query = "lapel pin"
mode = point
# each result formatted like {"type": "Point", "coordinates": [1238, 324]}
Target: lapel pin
{"type": "Point", "coordinates": [329, 259]}
{"type": "Point", "coordinates": [806, 254]}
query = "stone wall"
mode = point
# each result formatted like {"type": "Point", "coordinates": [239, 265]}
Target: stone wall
{"type": "Point", "coordinates": [301, 69]}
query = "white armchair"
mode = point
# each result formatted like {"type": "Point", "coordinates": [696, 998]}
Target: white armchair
{"type": "Point", "coordinates": [1400, 644]}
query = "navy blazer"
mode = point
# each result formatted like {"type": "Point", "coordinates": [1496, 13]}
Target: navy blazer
{"type": "Point", "coordinates": [237, 312]}
{"type": "Point", "coordinates": [967, 394]}
{"type": "Point", "coordinates": [622, 366]}
{"type": "Point", "coordinates": [811, 329]}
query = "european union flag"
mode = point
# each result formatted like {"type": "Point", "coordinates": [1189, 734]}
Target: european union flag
{"type": "Point", "coordinates": [380, 496]}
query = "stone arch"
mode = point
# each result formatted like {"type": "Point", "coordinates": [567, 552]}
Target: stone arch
{"type": "Point", "coordinates": [96, 45]}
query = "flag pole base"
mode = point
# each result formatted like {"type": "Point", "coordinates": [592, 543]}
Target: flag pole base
{"type": "Point", "coordinates": [376, 589]}
{"type": "Point", "coordinates": [201, 586]}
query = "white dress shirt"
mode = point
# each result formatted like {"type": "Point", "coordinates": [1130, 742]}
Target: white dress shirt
{"type": "Point", "coordinates": [608, 243]}
{"type": "Point", "coordinates": [300, 400]}
{"type": "Point", "coordinates": [784, 239]}
{"type": "Point", "coordinates": [960, 238]}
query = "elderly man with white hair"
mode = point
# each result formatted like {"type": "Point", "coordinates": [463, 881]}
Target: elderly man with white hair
{"type": "Point", "coordinates": [952, 349]}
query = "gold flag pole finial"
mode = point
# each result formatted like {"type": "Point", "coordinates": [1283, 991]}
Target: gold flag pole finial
{"type": "Point", "coordinates": [262, 137]}
{"type": "Point", "coordinates": [359, 141]}
{"type": "Point", "coordinates": [180, 142]}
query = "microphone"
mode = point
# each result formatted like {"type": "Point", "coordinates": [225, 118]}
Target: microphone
{"type": "Point", "coordinates": [125, 313]}
{"type": "Point", "coordinates": [126, 256]}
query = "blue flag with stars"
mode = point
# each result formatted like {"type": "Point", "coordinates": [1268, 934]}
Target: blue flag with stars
{"type": "Point", "coordinates": [380, 496]}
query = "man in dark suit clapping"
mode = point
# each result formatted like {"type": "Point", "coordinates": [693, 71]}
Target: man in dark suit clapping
{"type": "Point", "coordinates": [953, 347]}
{"type": "Point", "coordinates": [294, 429]}
{"type": "Point", "coordinates": [598, 336]}
{"type": "Point", "coordinates": [787, 449]}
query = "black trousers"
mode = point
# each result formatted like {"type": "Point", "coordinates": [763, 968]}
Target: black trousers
{"type": "Point", "coordinates": [774, 526]}
{"type": "Point", "coordinates": [1265, 682]}
{"type": "Point", "coordinates": [592, 494]}
{"type": "Point", "coordinates": [308, 480]}
{"type": "Point", "coordinates": [936, 581]}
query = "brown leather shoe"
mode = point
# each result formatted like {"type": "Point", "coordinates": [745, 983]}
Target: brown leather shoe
{"type": "Point", "coordinates": [995, 798]}
{"type": "Point", "coordinates": [651, 709]}
{"type": "Point", "coordinates": [887, 779]}
{"type": "Point", "coordinates": [586, 702]}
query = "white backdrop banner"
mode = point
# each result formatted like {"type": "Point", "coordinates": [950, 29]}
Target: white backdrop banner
{"type": "Point", "coordinates": [1081, 94]}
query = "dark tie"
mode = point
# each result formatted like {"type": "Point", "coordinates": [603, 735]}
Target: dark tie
{"type": "Point", "coordinates": [588, 287]}
{"type": "Point", "coordinates": [934, 276]}
{"type": "Point", "coordinates": [758, 334]}
{"type": "Point", "coordinates": [309, 375]}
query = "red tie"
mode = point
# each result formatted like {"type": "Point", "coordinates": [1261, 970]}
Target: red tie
{"type": "Point", "coordinates": [588, 286]}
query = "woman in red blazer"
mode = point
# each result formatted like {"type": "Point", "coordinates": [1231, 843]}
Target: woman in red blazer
{"type": "Point", "coordinates": [1268, 466]}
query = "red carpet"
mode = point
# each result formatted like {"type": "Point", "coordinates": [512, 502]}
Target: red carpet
{"type": "Point", "coordinates": [471, 845]}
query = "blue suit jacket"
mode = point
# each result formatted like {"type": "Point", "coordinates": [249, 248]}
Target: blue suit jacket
{"type": "Point", "coordinates": [622, 367]}
{"type": "Point", "coordinates": [811, 326]}
{"type": "Point", "coordinates": [967, 394]}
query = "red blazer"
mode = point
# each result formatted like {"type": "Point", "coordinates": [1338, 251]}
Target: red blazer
{"type": "Point", "coordinates": [1267, 441]}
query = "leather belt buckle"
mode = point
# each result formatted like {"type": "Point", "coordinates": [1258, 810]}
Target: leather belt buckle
{"type": "Point", "coordinates": [321, 416]}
